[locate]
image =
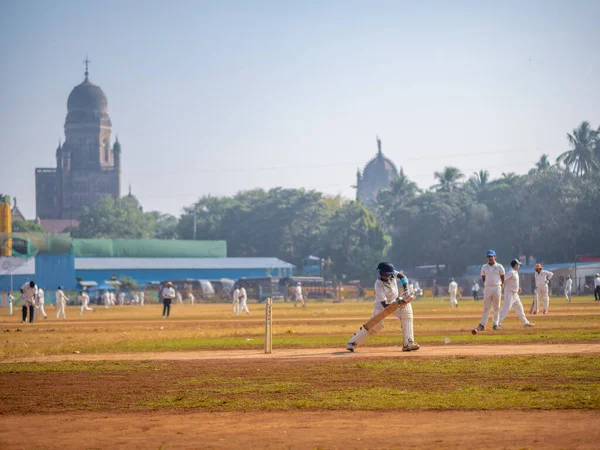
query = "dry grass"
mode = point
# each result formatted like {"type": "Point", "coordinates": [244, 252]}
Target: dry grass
{"type": "Point", "coordinates": [213, 326]}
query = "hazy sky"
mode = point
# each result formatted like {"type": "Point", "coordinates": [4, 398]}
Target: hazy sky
{"type": "Point", "coordinates": [217, 97]}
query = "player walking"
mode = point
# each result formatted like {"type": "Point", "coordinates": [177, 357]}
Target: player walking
{"type": "Point", "coordinates": [236, 300]}
{"type": "Point", "coordinates": [452, 291]}
{"type": "Point", "coordinates": [168, 294]}
{"type": "Point", "coordinates": [61, 302]}
{"type": "Point", "coordinates": [243, 300]}
{"type": "Point", "coordinates": [40, 304]}
{"type": "Point", "coordinates": [299, 298]}
{"type": "Point", "coordinates": [542, 277]}
{"type": "Point", "coordinates": [492, 275]}
{"type": "Point", "coordinates": [597, 287]}
{"type": "Point", "coordinates": [568, 287]}
{"type": "Point", "coordinates": [511, 295]}
{"type": "Point", "coordinates": [386, 292]}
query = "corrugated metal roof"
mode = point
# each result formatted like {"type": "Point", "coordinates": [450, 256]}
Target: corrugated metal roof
{"type": "Point", "coordinates": [179, 263]}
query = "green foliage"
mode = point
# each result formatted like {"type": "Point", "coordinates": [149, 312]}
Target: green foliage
{"type": "Point", "coordinates": [290, 224]}
{"type": "Point", "coordinates": [123, 218]}
{"type": "Point", "coordinates": [26, 226]}
{"type": "Point", "coordinates": [127, 282]}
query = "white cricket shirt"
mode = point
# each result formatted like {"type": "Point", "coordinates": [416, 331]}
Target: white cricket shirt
{"type": "Point", "coordinates": [511, 281]}
{"type": "Point", "coordinates": [386, 292]}
{"type": "Point", "coordinates": [492, 274]}
{"type": "Point", "coordinates": [540, 278]}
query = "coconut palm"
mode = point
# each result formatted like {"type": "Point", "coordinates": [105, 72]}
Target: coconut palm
{"type": "Point", "coordinates": [479, 180]}
{"type": "Point", "coordinates": [448, 180]}
{"type": "Point", "coordinates": [542, 165]}
{"type": "Point", "coordinates": [581, 159]}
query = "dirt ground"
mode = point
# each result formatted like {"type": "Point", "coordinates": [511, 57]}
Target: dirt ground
{"type": "Point", "coordinates": [306, 430]}
{"type": "Point", "coordinates": [327, 353]}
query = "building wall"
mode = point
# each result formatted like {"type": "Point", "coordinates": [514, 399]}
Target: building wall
{"type": "Point", "coordinates": [46, 194]}
{"type": "Point", "coordinates": [147, 276]}
{"type": "Point", "coordinates": [52, 271]}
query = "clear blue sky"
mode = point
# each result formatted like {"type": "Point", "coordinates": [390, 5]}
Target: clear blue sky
{"type": "Point", "coordinates": [216, 97]}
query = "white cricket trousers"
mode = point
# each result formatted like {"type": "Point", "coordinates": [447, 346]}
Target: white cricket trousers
{"type": "Point", "coordinates": [60, 309]}
{"type": "Point", "coordinates": [568, 295]}
{"type": "Point", "coordinates": [10, 309]}
{"type": "Point", "coordinates": [512, 300]}
{"type": "Point", "coordinates": [243, 307]}
{"type": "Point", "coordinates": [236, 306]}
{"type": "Point", "coordinates": [84, 306]}
{"type": "Point", "coordinates": [38, 310]}
{"type": "Point", "coordinates": [542, 299]}
{"type": "Point", "coordinates": [491, 301]}
{"type": "Point", "coordinates": [405, 315]}
{"type": "Point", "coordinates": [453, 300]}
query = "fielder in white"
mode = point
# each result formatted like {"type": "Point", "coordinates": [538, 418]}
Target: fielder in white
{"type": "Point", "coordinates": [191, 298]}
{"type": "Point", "coordinates": [511, 295]}
{"type": "Point", "coordinates": [179, 298]}
{"type": "Point", "coordinates": [106, 299]}
{"type": "Point", "coordinates": [243, 299]}
{"type": "Point", "coordinates": [236, 300]}
{"type": "Point", "coordinates": [29, 293]}
{"type": "Point", "coordinates": [40, 304]}
{"type": "Point", "coordinates": [142, 297]}
{"type": "Point", "coordinates": [492, 275]}
{"type": "Point", "coordinates": [386, 292]}
{"type": "Point", "coordinates": [452, 291]}
{"type": "Point", "coordinates": [597, 287]}
{"type": "Point", "coordinates": [568, 287]}
{"type": "Point", "coordinates": [121, 298]}
{"type": "Point", "coordinates": [298, 295]}
{"type": "Point", "coordinates": [9, 301]}
{"type": "Point", "coordinates": [542, 277]}
{"type": "Point", "coordinates": [61, 302]}
{"type": "Point", "coordinates": [84, 301]}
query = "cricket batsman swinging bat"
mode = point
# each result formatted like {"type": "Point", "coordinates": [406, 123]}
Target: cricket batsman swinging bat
{"type": "Point", "coordinates": [400, 303]}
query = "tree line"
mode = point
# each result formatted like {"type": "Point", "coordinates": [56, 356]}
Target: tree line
{"type": "Point", "coordinates": [550, 213]}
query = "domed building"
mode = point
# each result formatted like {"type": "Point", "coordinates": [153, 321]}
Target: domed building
{"type": "Point", "coordinates": [88, 167]}
{"type": "Point", "coordinates": [377, 174]}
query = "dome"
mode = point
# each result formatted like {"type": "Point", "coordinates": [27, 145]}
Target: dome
{"type": "Point", "coordinates": [86, 103]}
{"type": "Point", "coordinates": [381, 168]}
{"type": "Point", "coordinates": [87, 96]}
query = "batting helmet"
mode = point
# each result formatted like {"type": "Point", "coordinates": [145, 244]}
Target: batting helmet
{"type": "Point", "coordinates": [491, 253]}
{"type": "Point", "coordinates": [515, 262]}
{"type": "Point", "coordinates": [386, 268]}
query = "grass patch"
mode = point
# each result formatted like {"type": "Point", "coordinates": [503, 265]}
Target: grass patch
{"type": "Point", "coordinates": [554, 382]}
{"type": "Point", "coordinates": [75, 366]}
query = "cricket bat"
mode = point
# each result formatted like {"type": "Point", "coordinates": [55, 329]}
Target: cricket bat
{"type": "Point", "coordinates": [533, 305]}
{"type": "Point", "coordinates": [386, 312]}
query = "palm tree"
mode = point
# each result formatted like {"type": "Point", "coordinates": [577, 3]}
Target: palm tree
{"type": "Point", "coordinates": [542, 165]}
{"type": "Point", "coordinates": [581, 159]}
{"type": "Point", "coordinates": [448, 180]}
{"type": "Point", "coordinates": [479, 180]}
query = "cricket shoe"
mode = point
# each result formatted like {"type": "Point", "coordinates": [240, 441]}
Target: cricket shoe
{"type": "Point", "coordinates": [497, 327]}
{"type": "Point", "coordinates": [350, 347]}
{"type": "Point", "coordinates": [479, 328]}
{"type": "Point", "coordinates": [529, 325]}
{"type": "Point", "coordinates": [411, 347]}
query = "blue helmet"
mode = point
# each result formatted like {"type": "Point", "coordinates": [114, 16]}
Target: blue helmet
{"type": "Point", "coordinates": [491, 253]}
{"type": "Point", "coordinates": [386, 268]}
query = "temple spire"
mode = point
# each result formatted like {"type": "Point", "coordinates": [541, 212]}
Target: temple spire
{"type": "Point", "coordinates": [87, 62]}
{"type": "Point", "coordinates": [379, 152]}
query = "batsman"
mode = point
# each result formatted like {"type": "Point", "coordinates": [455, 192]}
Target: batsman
{"type": "Point", "coordinates": [388, 301]}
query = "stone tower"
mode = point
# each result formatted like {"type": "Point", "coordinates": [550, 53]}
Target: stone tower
{"type": "Point", "coordinates": [377, 174]}
{"type": "Point", "coordinates": [87, 166]}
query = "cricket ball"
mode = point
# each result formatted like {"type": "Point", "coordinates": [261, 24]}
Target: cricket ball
{"type": "Point", "coordinates": [474, 331]}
